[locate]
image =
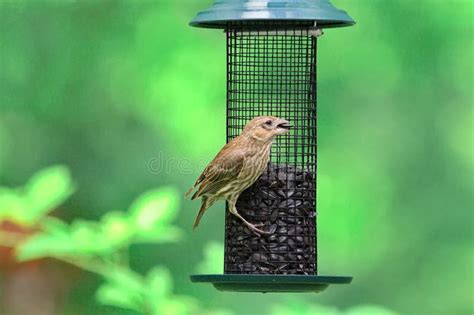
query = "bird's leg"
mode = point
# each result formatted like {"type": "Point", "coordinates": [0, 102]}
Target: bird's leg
{"type": "Point", "coordinates": [252, 227]}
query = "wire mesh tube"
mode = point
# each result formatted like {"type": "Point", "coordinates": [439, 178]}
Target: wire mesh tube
{"type": "Point", "coordinates": [271, 70]}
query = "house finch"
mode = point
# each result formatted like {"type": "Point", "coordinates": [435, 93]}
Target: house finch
{"type": "Point", "coordinates": [238, 165]}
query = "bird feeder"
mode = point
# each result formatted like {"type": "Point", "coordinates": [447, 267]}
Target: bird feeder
{"type": "Point", "coordinates": [271, 70]}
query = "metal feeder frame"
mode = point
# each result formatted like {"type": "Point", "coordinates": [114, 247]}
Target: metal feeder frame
{"type": "Point", "coordinates": [271, 70]}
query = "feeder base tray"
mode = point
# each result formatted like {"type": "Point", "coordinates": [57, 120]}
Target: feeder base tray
{"type": "Point", "coordinates": [270, 283]}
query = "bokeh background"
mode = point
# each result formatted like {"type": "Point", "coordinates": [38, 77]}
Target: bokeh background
{"type": "Point", "coordinates": [130, 98]}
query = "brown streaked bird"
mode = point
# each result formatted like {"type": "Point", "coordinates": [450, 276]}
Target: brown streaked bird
{"type": "Point", "coordinates": [238, 165]}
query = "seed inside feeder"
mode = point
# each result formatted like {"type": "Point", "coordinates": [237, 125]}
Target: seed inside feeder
{"type": "Point", "coordinates": [283, 199]}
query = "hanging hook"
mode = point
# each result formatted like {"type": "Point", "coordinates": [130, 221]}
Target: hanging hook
{"type": "Point", "coordinates": [316, 32]}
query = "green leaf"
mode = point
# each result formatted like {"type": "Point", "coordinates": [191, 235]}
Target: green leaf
{"type": "Point", "coordinates": [55, 226]}
{"type": "Point", "coordinates": [47, 189]}
{"type": "Point", "coordinates": [87, 239]}
{"type": "Point", "coordinates": [45, 245]}
{"type": "Point", "coordinates": [160, 282]}
{"type": "Point", "coordinates": [12, 206]}
{"type": "Point", "coordinates": [80, 239]}
{"type": "Point", "coordinates": [123, 288]}
{"type": "Point", "coordinates": [116, 229]}
{"type": "Point", "coordinates": [177, 305]}
{"type": "Point", "coordinates": [126, 279]}
{"type": "Point", "coordinates": [154, 208]}
{"type": "Point", "coordinates": [54, 239]}
{"type": "Point", "coordinates": [159, 235]}
{"type": "Point", "coordinates": [110, 295]}
{"type": "Point", "coordinates": [160, 294]}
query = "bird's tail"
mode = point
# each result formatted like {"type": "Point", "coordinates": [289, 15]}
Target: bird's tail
{"type": "Point", "coordinates": [205, 204]}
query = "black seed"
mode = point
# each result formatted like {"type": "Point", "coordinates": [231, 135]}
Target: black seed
{"type": "Point", "coordinates": [274, 215]}
{"type": "Point", "coordinates": [277, 257]}
{"type": "Point", "coordinates": [297, 230]}
{"type": "Point", "coordinates": [272, 229]}
{"type": "Point", "coordinates": [281, 249]}
{"type": "Point", "coordinates": [266, 192]}
{"type": "Point", "coordinates": [283, 230]}
{"type": "Point", "coordinates": [287, 203]}
{"type": "Point", "coordinates": [286, 193]}
{"type": "Point", "coordinates": [257, 257]}
{"type": "Point", "coordinates": [291, 243]}
{"type": "Point", "coordinates": [283, 198]}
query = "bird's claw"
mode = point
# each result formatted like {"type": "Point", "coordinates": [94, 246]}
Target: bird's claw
{"type": "Point", "coordinates": [257, 231]}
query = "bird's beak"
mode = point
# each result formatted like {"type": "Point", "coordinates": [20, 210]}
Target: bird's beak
{"type": "Point", "coordinates": [284, 124]}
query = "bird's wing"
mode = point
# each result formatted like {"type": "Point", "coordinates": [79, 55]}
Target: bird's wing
{"type": "Point", "coordinates": [225, 166]}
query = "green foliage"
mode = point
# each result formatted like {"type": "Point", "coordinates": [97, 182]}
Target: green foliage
{"type": "Point", "coordinates": [151, 215]}
{"type": "Point", "coordinates": [123, 288]}
{"type": "Point", "coordinates": [147, 221]}
{"type": "Point", "coordinates": [160, 294]}
{"type": "Point", "coordinates": [93, 246]}
{"type": "Point", "coordinates": [152, 294]}
{"type": "Point", "coordinates": [102, 246]}
{"type": "Point", "coordinates": [96, 246]}
{"type": "Point", "coordinates": [300, 307]}
{"type": "Point", "coordinates": [48, 189]}
{"type": "Point", "coordinates": [43, 193]}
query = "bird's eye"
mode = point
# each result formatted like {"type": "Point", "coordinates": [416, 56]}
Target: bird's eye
{"type": "Point", "coordinates": [268, 122]}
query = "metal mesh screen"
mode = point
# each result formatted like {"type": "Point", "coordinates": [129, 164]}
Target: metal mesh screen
{"type": "Point", "coordinates": [271, 70]}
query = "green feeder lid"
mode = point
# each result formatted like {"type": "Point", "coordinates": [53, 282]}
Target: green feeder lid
{"type": "Point", "coordinates": [224, 11]}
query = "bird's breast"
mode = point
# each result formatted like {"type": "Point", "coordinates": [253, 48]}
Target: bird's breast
{"type": "Point", "coordinates": [254, 165]}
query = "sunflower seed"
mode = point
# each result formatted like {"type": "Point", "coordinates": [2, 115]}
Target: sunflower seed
{"type": "Point", "coordinates": [283, 199]}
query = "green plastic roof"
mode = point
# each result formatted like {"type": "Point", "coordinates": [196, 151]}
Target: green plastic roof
{"type": "Point", "coordinates": [224, 11]}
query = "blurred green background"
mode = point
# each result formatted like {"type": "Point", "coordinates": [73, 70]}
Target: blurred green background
{"type": "Point", "coordinates": [130, 98]}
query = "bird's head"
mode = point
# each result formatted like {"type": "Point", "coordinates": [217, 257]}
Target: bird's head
{"type": "Point", "coordinates": [265, 128]}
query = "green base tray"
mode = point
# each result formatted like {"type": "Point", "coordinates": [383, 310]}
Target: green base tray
{"type": "Point", "coordinates": [270, 283]}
